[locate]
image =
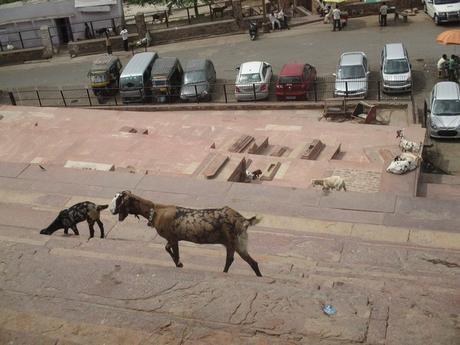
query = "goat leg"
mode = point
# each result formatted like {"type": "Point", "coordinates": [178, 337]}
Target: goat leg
{"type": "Point", "coordinates": [246, 257]}
{"type": "Point", "coordinates": [175, 248]}
{"type": "Point", "coordinates": [170, 248]}
{"type": "Point", "coordinates": [91, 229]}
{"type": "Point", "coordinates": [230, 258]}
{"type": "Point", "coordinates": [101, 227]}
{"type": "Point", "coordinates": [74, 229]}
{"type": "Point", "coordinates": [66, 231]}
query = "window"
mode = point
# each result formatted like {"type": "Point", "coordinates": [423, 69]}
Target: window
{"type": "Point", "coordinates": [447, 107]}
{"type": "Point", "coordinates": [396, 66]}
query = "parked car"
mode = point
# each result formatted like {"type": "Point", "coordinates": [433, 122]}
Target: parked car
{"type": "Point", "coordinates": [444, 110]}
{"type": "Point", "coordinates": [294, 81]}
{"type": "Point", "coordinates": [166, 79]}
{"type": "Point", "coordinates": [443, 11]}
{"type": "Point", "coordinates": [352, 76]}
{"type": "Point", "coordinates": [135, 84]}
{"type": "Point", "coordinates": [395, 68]}
{"type": "Point", "coordinates": [198, 80]}
{"type": "Point", "coordinates": [104, 76]}
{"type": "Point", "coordinates": [253, 81]}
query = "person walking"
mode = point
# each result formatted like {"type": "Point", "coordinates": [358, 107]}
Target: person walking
{"type": "Point", "coordinates": [383, 14]}
{"type": "Point", "coordinates": [336, 18]}
{"type": "Point", "coordinates": [108, 43]}
{"type": "Point", "coordinates": [124, 36]}
{"type": "Point", "coordinates": [442, 66]}
{"type": "Point", "coordinates": [452, 68]}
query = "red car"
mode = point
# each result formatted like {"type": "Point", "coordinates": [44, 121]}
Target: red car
{"type": "Point", "coordinates": [294, 81]}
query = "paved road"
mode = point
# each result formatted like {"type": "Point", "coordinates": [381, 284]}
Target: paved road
{"type": "Point", "coordinates": [314, 43]}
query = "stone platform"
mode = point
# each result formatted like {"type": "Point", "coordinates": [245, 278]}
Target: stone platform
{"type": "Point", "coordinates": [387, 261]}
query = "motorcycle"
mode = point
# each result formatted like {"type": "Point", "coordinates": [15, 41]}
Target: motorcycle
{"type": "Point", "coordinates": [252, 30]}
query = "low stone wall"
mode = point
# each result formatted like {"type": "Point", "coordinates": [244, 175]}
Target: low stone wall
{"type": "Point", "coordinates": [193, 31]}
{"type": "Point", "coordinates": [360, 9]}
{"type": "Point", "coordinates": [97, 45]}
{"type": "Point", "coordinates": [12, 57]}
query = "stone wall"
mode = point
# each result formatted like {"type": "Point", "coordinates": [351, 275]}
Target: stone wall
{"type": "Point", "coordinates": [13, 57]}
{"type": "Point", "coordinates": [194, 31]}
{"type": "Point", "coordinates": [96, 46]}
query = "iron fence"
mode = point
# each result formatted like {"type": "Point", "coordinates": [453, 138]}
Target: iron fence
{"type": "Point", "coordinates": [320, 90]}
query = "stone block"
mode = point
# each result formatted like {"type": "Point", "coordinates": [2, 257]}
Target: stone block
{"type": "Point", "coordinates": [215, 165]}
{"type": "Point", "coordinates": [312, 150]}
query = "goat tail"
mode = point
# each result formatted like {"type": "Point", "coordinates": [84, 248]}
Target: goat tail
{"type": "Point", "coordinates": [254, 220]}
{"type": "Point", "coordinates": [101, 207]}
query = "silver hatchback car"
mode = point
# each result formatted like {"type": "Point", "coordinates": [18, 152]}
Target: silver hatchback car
{"type": "Point", "coordinates": [352, 76]}
{"type": "Point", "coordinates": [444, 118]}
{"type": "Point", "coordinates": [253, 81]}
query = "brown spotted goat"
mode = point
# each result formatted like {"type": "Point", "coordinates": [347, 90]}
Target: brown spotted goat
{"type": "Point", "coordinates": [222, 225]}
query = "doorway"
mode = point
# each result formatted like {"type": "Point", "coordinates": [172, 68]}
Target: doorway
{"type": "Point", "coordinates": [64, 30]}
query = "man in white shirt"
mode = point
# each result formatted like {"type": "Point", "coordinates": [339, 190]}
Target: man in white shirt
{"type": "Point", "coordinates": [336, 18]}
{"type": "Point", "coordinates": [383, 14]}
{"type": "Point", "coordinates": [442, 66]}
{"type": "Point", "coordinates": [124, 36]}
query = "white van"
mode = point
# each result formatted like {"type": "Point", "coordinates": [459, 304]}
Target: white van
{"type": "Point", "coordinates": [444, 118]}
{"type": "Point", "coordinates": [135, 83]}
{"type": "Point", "coordinates": [443, 11]}
{"type": "Point", "coordinates": [395, 68]}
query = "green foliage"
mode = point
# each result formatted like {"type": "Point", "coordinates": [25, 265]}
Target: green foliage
{"type": "Point", "coordinates": [2, 2]}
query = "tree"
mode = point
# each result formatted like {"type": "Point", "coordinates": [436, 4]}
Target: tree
{"type": "Point", "coordinates": [176, 3]}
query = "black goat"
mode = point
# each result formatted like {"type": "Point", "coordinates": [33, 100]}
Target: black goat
{"type": "Point", "coordinates": [70, 217]}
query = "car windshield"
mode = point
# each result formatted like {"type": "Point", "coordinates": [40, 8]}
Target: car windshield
{"type": "Point", "coordinates": [133, 81]}
{"type": "Point", "coordinates": [444, 2]}
{"type": "Point", "coordinates": [396, 66]}
{"type": "Point", "coordinates": [447, 107]}
{"type": "Point", "coordinates": [290, 80]}
{"type": "Point", "coordinates": [98, 77]}
{"type": "Point", "coordinates": [194, 77]}
{"type": "Point", "coordinates": [249, 78]}
{"type": "Point", "coordinates": [160, 82]}
{"type": "Point", "coordinates": [351, 72]}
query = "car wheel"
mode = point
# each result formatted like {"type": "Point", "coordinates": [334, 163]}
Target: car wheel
{"type": "Point", "coordinates": [436, 19]}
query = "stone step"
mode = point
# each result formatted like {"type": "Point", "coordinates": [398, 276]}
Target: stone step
{"type": "Point", "coordinates": [440, 179]}
{"type": "Point", "coordinates": [440, 191]}
{"type": "Point", "coordinates": [370, 208]}
{"type": "Point", "coordinates": [128, 295]}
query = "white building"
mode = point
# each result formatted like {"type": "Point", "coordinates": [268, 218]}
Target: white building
{"type": "Point", "coordinates": [20, 21]}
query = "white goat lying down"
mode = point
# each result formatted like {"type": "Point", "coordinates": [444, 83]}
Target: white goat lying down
{"type": "Point", "coordinates": [221, 225]}
{"type": "Point", "coordinates": [403, 163]}
{"type": "Point", "coordinates": [328, 183]}
{"type": "Point", "coordinates": [406, 145]}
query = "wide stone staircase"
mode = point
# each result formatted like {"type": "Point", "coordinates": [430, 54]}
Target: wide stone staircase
{"type": "Point", "coordinates": [389, 264]}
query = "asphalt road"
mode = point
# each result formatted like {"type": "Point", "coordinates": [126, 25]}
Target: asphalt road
{"type": "Point", "coordinates": [313, 43]}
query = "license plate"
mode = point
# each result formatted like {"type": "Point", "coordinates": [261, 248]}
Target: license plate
{"type": "Point", "coordinates": [291, 97]}
{"type": "Point", "coordinates": [163, 89]}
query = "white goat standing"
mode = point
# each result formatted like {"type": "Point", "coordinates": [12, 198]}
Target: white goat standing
{"type": "Point", "coordinates": [328, 183]}
{"type": "Point", "coordinates": [403, 163]}
{"type": "Point", "coordinates": [406, 145]}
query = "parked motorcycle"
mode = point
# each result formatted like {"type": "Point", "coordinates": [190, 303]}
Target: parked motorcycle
{"type": "Point", "coordinates": [252, 30]}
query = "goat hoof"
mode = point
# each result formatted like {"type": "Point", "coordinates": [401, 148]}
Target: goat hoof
{"type": "Point", "coordinates": [180, 264]}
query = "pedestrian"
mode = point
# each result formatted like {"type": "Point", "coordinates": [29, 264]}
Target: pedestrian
{"type": "Point", "coordinates": [336, 18]}
{"type": "Point", "coordinates": [274, 21]}
{"type": "Point", "coordinates": [124, 36]}
{"type": "Point", "coordinates": [108, 43]}
{"type": "Point", "coordinates": [383, 14]}
{"type": "Point", "coordinates": [327, 15]}
{"type": "Point", "coordinates": [442, 66]}
{"type": "Point", "coordinates": [87, 32]}
{"type": "Point", "coordinates": [452, 68]}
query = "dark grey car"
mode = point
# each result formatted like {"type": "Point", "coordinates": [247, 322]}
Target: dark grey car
{"type": "Point", "coordinates": [198, 80]}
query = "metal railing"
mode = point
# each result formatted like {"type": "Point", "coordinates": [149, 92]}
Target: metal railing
{"type": "Point", "coordinates": [319, 90]}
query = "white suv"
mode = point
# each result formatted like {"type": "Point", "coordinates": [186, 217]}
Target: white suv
{"type": "Point", "coordinates": [443, 11]}
{"type": "Point", "coordinates": [253, 81]}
